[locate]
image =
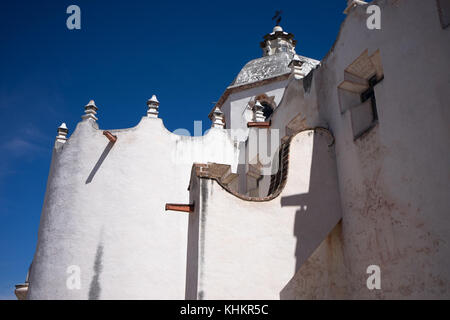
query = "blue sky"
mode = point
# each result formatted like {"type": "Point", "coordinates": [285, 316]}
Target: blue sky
{"type": "Point", "coordinates": [185, 52]}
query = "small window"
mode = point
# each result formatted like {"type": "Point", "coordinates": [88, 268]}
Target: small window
{"type": "Point", "coordinates": [268, 110]}
{"type": "Point", "coordinates": [268, 103]}
{"type": "Point", "coordinates": [357, 92]}
{"type": "Point", "coordinates": [365, 116]}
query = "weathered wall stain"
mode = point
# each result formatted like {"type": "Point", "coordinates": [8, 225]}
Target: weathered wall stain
{"type": "Point", "coordinates": [95, 287]}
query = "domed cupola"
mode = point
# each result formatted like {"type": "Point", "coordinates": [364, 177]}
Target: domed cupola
{"type": "Point", "coordinates": [278, 51]}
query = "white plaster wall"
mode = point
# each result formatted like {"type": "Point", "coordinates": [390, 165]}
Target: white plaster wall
{"type": "Point", "coordinates": [237, 115]}
{"type": "Point", "coordinates": [296, 105]}
{"type": "Point", "coordinates": [323, 275]}
{"type": "Point", "coordinates": [115, 227]}
{"type": "Point", "coordinates": [250, 250]}
{"type": "Point", "coordinates": [235, 105]}
{"type": "Point", "coordinates": [394, 190]}
{"type": "Point", "coordinates": [395, 181]}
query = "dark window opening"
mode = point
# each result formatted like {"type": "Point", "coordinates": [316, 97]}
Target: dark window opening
{"type": "Point", "coordinates": [365, 116]}
{"type": "Point", "coordinates": [370, 94]}
{"type": "Point", "coordinates": [268, 110]}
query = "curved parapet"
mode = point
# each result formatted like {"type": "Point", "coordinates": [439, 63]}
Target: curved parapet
{"type": "Point", "coordinates": [104, 233]}
{"type": "Point", "coordinates": [249, 248]}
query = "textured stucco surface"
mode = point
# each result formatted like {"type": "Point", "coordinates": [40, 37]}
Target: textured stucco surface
{"type": "Point", "coordinates": [394, 181]}
{"type": "Point", "coordinates": [104, 212]}
{"type": "Point", "coordinates": [104, 206]}
{"type": "Point", "coordinates": [250, 250]}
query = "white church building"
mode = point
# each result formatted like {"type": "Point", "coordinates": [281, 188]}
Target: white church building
{"type": "Point", "coordinates": [314, 176]}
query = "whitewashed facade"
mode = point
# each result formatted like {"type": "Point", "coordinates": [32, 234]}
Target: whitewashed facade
{"type": "Point", "coordinates": [360, 177]}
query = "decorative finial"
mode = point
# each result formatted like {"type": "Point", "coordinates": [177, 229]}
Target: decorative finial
{"type": "Point", "coordinates": [217, 118]}
{"type": "Point", "coordinates": [153, 106]}
{"type": "Point", "coordinates": [62, 133]}
{"type": "Point", "coordinates": [21, 291]}
{"type": "Point", "coordinates": [296, 67]}
{"type": "Point", "coordinates": [296, 61]}
{"type": "Point", "coordinates": [277, 17]}
{"type": "Point", "coordinates": [90, 110]}
{"type": "Point", "coordinates": [352, 4]}
{"type": "Point", "coordinates": [259, 112]}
